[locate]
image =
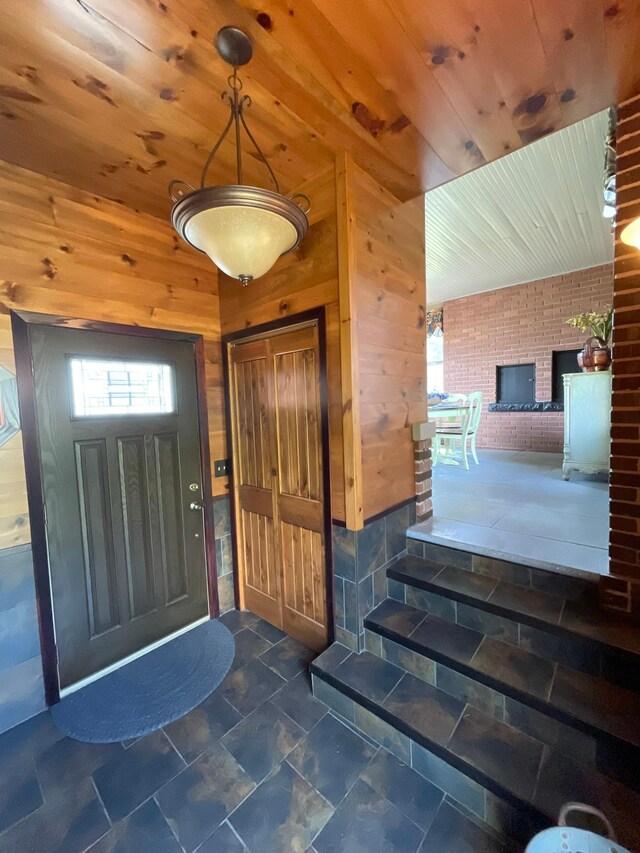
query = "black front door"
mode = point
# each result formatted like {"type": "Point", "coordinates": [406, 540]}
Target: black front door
{"type": "Point", "coordinates": [120, 460]}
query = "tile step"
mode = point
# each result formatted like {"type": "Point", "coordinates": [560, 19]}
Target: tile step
{"type": "Point", "coordinates": [591, 705]}
{"type": "Point", "coordinates": [532, 780]}
{"type": "Point", "coordinates": [567, 582]}
{"type": "Point", "coordinates": [540, 610]}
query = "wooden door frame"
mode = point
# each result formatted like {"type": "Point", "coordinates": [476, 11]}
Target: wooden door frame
{"type": "Point", "coordinates": [315, 316]}
{"type": "Point", "coordinates": [20, 323]}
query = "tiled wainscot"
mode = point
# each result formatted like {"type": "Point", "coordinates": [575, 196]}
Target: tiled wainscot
{"type": "Point", "coordinates": [360, 561]}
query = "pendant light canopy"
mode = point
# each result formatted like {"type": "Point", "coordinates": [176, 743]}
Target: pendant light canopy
{"type": "Point", "coordinates": [243, 229]}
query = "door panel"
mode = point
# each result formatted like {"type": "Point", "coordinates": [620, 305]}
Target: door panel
{"type": "Point", "coordinates": [134, 496]}
{"type": "Point", "coordinates": [301, 511]}
{"type": "Point", "coordinates": [299, 488]}
{"type": "Point", "coordinates": [261, 577]}
{"type": "Point", "coordinates": [297, 409]}
{"type": "Point", "coordinates": [126, 553]}
{"type": "Point", "coordinates": [279, 481]}
{"type": "Point", "coordinates": [170, 517]}
{"type": "Point", "coordinates": [254, 480]}
{"type": "Point", "coordinates": [253, 423]}
{"type": "Point", "coordinates": [97, 535]}
{"type": "Point", "coordinates": [302, 555]}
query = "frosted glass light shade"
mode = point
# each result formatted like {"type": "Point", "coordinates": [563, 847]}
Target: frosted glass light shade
{"type": "Point", "coordinates": [243, 229]}
{"type": "Point", "coordinates": [241, 241]}
{"type": "Point", "coordinates": [631, 234]}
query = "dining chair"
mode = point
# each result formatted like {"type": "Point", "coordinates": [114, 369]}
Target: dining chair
{"type": "Point", "coordinates": [463, 433]}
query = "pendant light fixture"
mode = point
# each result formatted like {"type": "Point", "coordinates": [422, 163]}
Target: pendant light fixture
{"type": "Point", "coordinates": [243, 229]}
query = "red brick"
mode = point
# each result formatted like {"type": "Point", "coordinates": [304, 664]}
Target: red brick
{"type": "Point", "coordinates": [624, 548]}
{"type": "Point", "coordinates": [518, 325]}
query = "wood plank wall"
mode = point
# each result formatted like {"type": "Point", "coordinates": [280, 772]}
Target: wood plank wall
{"type": "Point", "coordinates": [64, 251]}
{"type": "Point", "coordinates": [308, 278]}
{"type": "Point", "coordinates": [364, 260]}
{"type": "Point", "coordinates": [387, 298]}
{"type": "Point", "coordinates": [624, 541]}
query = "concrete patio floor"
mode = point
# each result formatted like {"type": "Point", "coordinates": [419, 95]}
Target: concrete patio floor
{"type": "Point", "coordinates": [515, 505]}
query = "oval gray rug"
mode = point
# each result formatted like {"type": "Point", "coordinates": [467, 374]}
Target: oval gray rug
{"type": "Point", "coordinates": [151, 691]}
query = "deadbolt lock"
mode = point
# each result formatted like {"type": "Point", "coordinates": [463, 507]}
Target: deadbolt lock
{"type": "Point", "coordinates": [194, 487]}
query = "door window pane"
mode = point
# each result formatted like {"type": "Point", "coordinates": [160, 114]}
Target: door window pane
{"type": "Point", "coordinates": [111, 387]}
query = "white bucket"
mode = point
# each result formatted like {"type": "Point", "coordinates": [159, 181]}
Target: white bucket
{"type": "Point", "coordinates": [568, 839]}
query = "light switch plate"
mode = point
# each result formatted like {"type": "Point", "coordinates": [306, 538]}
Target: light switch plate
{"type": "Point", "coordinates": [220, 467]}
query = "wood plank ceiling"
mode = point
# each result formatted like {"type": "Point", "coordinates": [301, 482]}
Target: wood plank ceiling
{"type": "Point", "coordinates": [119, 97]}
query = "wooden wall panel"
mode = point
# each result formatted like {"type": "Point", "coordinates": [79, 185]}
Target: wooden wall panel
{"type": "Point", "coordinates": [308, 278]}
{"type": "Point", "coordinates": [388, 298]}
{"type": "Point", "coordinates": [350, 373]}
{"type": "Point", "coordinates": [64, 251]}
{"type": "Point", "coordinates": [363, 259]}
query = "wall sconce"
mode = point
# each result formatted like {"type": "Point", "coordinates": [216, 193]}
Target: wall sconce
{"type": "Point", "coordinates": [631, 233]}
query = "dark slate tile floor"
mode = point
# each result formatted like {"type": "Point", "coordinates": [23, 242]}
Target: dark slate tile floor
{"type": "Point", "coordinates": [332, 757]}
{"type": "Point", "coordinates": [458, 642]}
{"type": "Point", "coordinates": [261, 766]}
{"type": "Point", "coordinates": [425, 708]}
{"type": "Point", "coordinates": [517, 667]}
{"type": "Point", "coordinates": [370, 675]}
{"type": "Point", "coordinates": [499, 750]}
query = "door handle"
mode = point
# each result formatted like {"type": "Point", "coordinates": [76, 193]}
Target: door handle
{"type": "Point", "coordinates": [195, 506]}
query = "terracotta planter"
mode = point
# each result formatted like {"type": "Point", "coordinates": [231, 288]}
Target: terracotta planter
{"type": "Point", "coordinates": [595, 356]}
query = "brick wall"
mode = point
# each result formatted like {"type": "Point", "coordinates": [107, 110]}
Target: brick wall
{"type": "Point", "coordinates": [518, 325]}
{"type": "Point", "coordinates": [422, 460]}
{"type": "Point", "coordinates": [624, 548]}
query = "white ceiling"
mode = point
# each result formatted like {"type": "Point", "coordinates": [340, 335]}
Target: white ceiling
{"type": "Point", "coordinates": [532, 214]}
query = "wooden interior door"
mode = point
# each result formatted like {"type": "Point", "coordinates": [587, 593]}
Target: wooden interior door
{"type": "Point", "coordinates": [279, 481]}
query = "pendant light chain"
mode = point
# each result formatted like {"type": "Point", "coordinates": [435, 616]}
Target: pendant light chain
{"type": "Point", "coordinates": [236, 106]}
{"type": "Point", "coordinates": [257, 147]}
{"type": "Point", "coordinates": [236, 85]}
{"type": "Point", "coordinates": [214, 150]}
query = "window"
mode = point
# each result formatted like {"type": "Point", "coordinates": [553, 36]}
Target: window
{"type": "Point", "coordinates": [563, 361]}
{"type": "Point", "coordinates": [435, 363]}
{"type": "Point", "coordinates": [111, 387]}
{"type": "Point", "coordinates": [515, 383]}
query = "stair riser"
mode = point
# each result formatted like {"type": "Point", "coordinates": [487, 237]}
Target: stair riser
{"type": "Point", "coordinates": [545, 640]}
{"type": "Point", "coordinates": [574, 588]}
{"type": "Point", "coordinates": [524, 775]}
{"type": "Point", "coordinates": [564, 733]}
{"type": "Point", "coordinates": [510, 818]}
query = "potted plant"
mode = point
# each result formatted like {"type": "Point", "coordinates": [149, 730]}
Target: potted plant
{"type": "Point", "coordinates": [596, 354]}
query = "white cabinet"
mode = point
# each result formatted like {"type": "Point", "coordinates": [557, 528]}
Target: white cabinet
{"type": "Point", "coordinates": [587, 422]}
